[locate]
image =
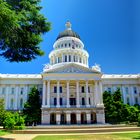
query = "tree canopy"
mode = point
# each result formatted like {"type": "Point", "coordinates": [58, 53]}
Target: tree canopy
{"type": "Point", "coordinates": [116, 111]}
{"type": "Point", "coordinates": [32, 108]}
{"type": "Point", "coordinates": [21, 27]}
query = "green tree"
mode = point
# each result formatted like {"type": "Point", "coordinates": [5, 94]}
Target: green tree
{"type": "Point", "coordinates": [32, 108]}
{"type": "Point", "coordinates": [2, 111]}
{"type": "Point", "coordinates": [21, 27]}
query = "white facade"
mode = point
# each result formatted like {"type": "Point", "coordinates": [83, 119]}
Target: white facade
{"type": "Point", "coordinates": [71, 92]}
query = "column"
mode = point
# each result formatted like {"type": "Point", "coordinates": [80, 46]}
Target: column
{"type": "Point", "coordinates": [58, 94]}
{"type": "Point", "coordinates": [48, 94]}
{"type": "Point", "coordinates": [100, 93]}
{"type": "Point", "coordinates": [95, 93]}
{"type": "Point", "coordinates": [68, 101]}
{"type": "Point", "coordinates": [44, 94]}
{"type": "Point", "coordinates": [72, 60]}
{"type": "Point", "coordinates": [77, 94]}
{"type": "Point", "coordinates": [124, 95]}
{"type": "Point", "coordinates": [68, 119]}
{"type": "Point", "coordinates": [62, 57]}
{"type": "Point", "coordinates": [87, 95]}
{"type": "Point", "coordinates": [78, 118]}
{"type": "Point", "coordinates": [132, 95]}
{"type": "Point", "coordinates": [88, 115]}
{"type": "Point", "coordinates": [16, 98]}
{"type": "Point", "coordinates": [26, 92]}
{"type": "Point", "coordinates": [53, 59]}
{"type": "Point", "coordinates": [67, 58]}
{"type": "Point", "coordinates": [7, 99]}
{"type": "Point", "coordinates": [58, 118]}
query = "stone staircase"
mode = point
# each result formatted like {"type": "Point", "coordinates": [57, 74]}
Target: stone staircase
{"type": "Point", "coordinates": [76, 129]}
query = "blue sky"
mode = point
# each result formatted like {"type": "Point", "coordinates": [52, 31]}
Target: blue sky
{"type": "Point", "coordinates": [110, 30]}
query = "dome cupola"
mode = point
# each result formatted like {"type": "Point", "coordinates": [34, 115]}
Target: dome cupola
{"type": "Point", "coordinates": [68, 32]}
{"type": "Point", "coordinates": [68, 48]}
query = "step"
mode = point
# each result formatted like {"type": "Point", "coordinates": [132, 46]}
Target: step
{"type": "Point", "coordinates": [70, 131]}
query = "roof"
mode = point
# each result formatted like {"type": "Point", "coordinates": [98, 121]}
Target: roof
{"type": "Point", "coordinates": [68, 32]}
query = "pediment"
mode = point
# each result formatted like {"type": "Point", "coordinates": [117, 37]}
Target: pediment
{"type": "Point", "coordinates": [71, 68]}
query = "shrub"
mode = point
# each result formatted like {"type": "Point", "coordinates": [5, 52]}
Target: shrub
{"type": "Point", "coordinates": [9, 121]}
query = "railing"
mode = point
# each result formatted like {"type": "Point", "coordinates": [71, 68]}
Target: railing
{"type": "Point", "coordinates": [71, 106]}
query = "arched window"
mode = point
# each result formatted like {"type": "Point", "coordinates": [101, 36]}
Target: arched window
{"type": "Point", "coordinates": [12, 103]}
{"type": "Point", "coordinates": [21, 103]}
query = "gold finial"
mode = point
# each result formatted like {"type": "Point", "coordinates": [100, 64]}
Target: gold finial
{"type": "Point", "coordinates": [68, 25]}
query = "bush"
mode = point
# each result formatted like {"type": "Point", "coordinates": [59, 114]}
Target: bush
{"type": "Point", "coordinates": [13, 121]}
{"type": "Point", "coordinates": [9, 121]}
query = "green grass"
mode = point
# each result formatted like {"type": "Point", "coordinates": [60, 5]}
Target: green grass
{"type": "Point", "coordinates": [3, 132]}
{"type": "Point", "coordinates": [119, 136]}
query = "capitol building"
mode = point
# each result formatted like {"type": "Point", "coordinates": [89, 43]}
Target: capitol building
{"type": "Point", "coordinates": [70, 90]}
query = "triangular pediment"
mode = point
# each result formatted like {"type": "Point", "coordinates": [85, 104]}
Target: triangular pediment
{"type": "Point", "coordinates": [71, 68]}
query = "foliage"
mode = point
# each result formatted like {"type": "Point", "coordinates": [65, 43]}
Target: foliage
{"type": "Point", "coordinates": [21, 27]}
{"type": "Point", "coordinates": [139, 119]}
{"type": "Point", "coordinates": [9, 121]}
{"type": "Point", "coordinates": [116, 111]}
{"type": "Point", "coordinates": [13, 121]}
{"type": "Point", "coordinates": [32, 108]}
{"type": "Point", "coordinates": [2, 111]}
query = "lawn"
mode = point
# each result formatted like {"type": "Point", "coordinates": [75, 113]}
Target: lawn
{"type": "Point", "coordinates": [120, 136]}
{"type": "Point", "coordinates": [3, 132]}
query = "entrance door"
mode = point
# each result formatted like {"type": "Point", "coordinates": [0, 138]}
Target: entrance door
{"type": "Point", "coordinates": [72, 101]}
{"type": "Point", "coordinates": [83, 118]}
{"type": "Point", "coordinates": [53, 119]}
{"type": "Point", "coordinates": [63, 121]}
{"type": "Point", "coordinates": [73, 118]}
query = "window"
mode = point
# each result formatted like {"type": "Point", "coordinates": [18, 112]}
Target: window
{"type": "Point", "coordinates": [80, 60]}
{"type": "Point", "coordinates": [12, 103]}
{"type": "Point", "coordinates": [60, 89]}
{"type": "Point", "coordinates": [83, 89]}
{"type": "Point", "coordinates": [74, 58]}
{"type": "Point", "coordinates": [83, 101]}
{"type": "Point", "coordinates": [135, 90]}
{"type": "Point", "coordinates": [136, 100]}
{"type": "Point", "coordinates": [65, 58]}
{"type": "Point", "coordinates": [61, 101]}
{"type": "Point", "coordinates": [88, 89]}
{"type": "Point", "coordinates": [3, 90]}
{"type": "Point", "coordinates": [126, 90]}
{"type": "Point", "coordinates": [21, 103]}
{"type": "Point", "coordinates": [65, 45]}
{"type": "Point", "coordinates": [58, 59]}
{"type": "Point", "coordinates": [40, 91]}
{"type": "Point", "coordinates": [69, 44]}
{"type": "Point", "coordinates": [128, 102]}
{"type": "Point", "coordinates": [69, 58]}
{"type": "Point", "coordinates": [55, 89]}
{"type": "Point", "coordinates": [12, 90]}
{"type": "Point", "coordinates": [109, 89]}
{"type": "Point", "coordinates": [55, 101]}
{"type": "Point", "coordinates": [62, 45]}
{"type": "Point", "coordinates": [22, 90]}
{"type": "Point", "coordinates": [89, 101]}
